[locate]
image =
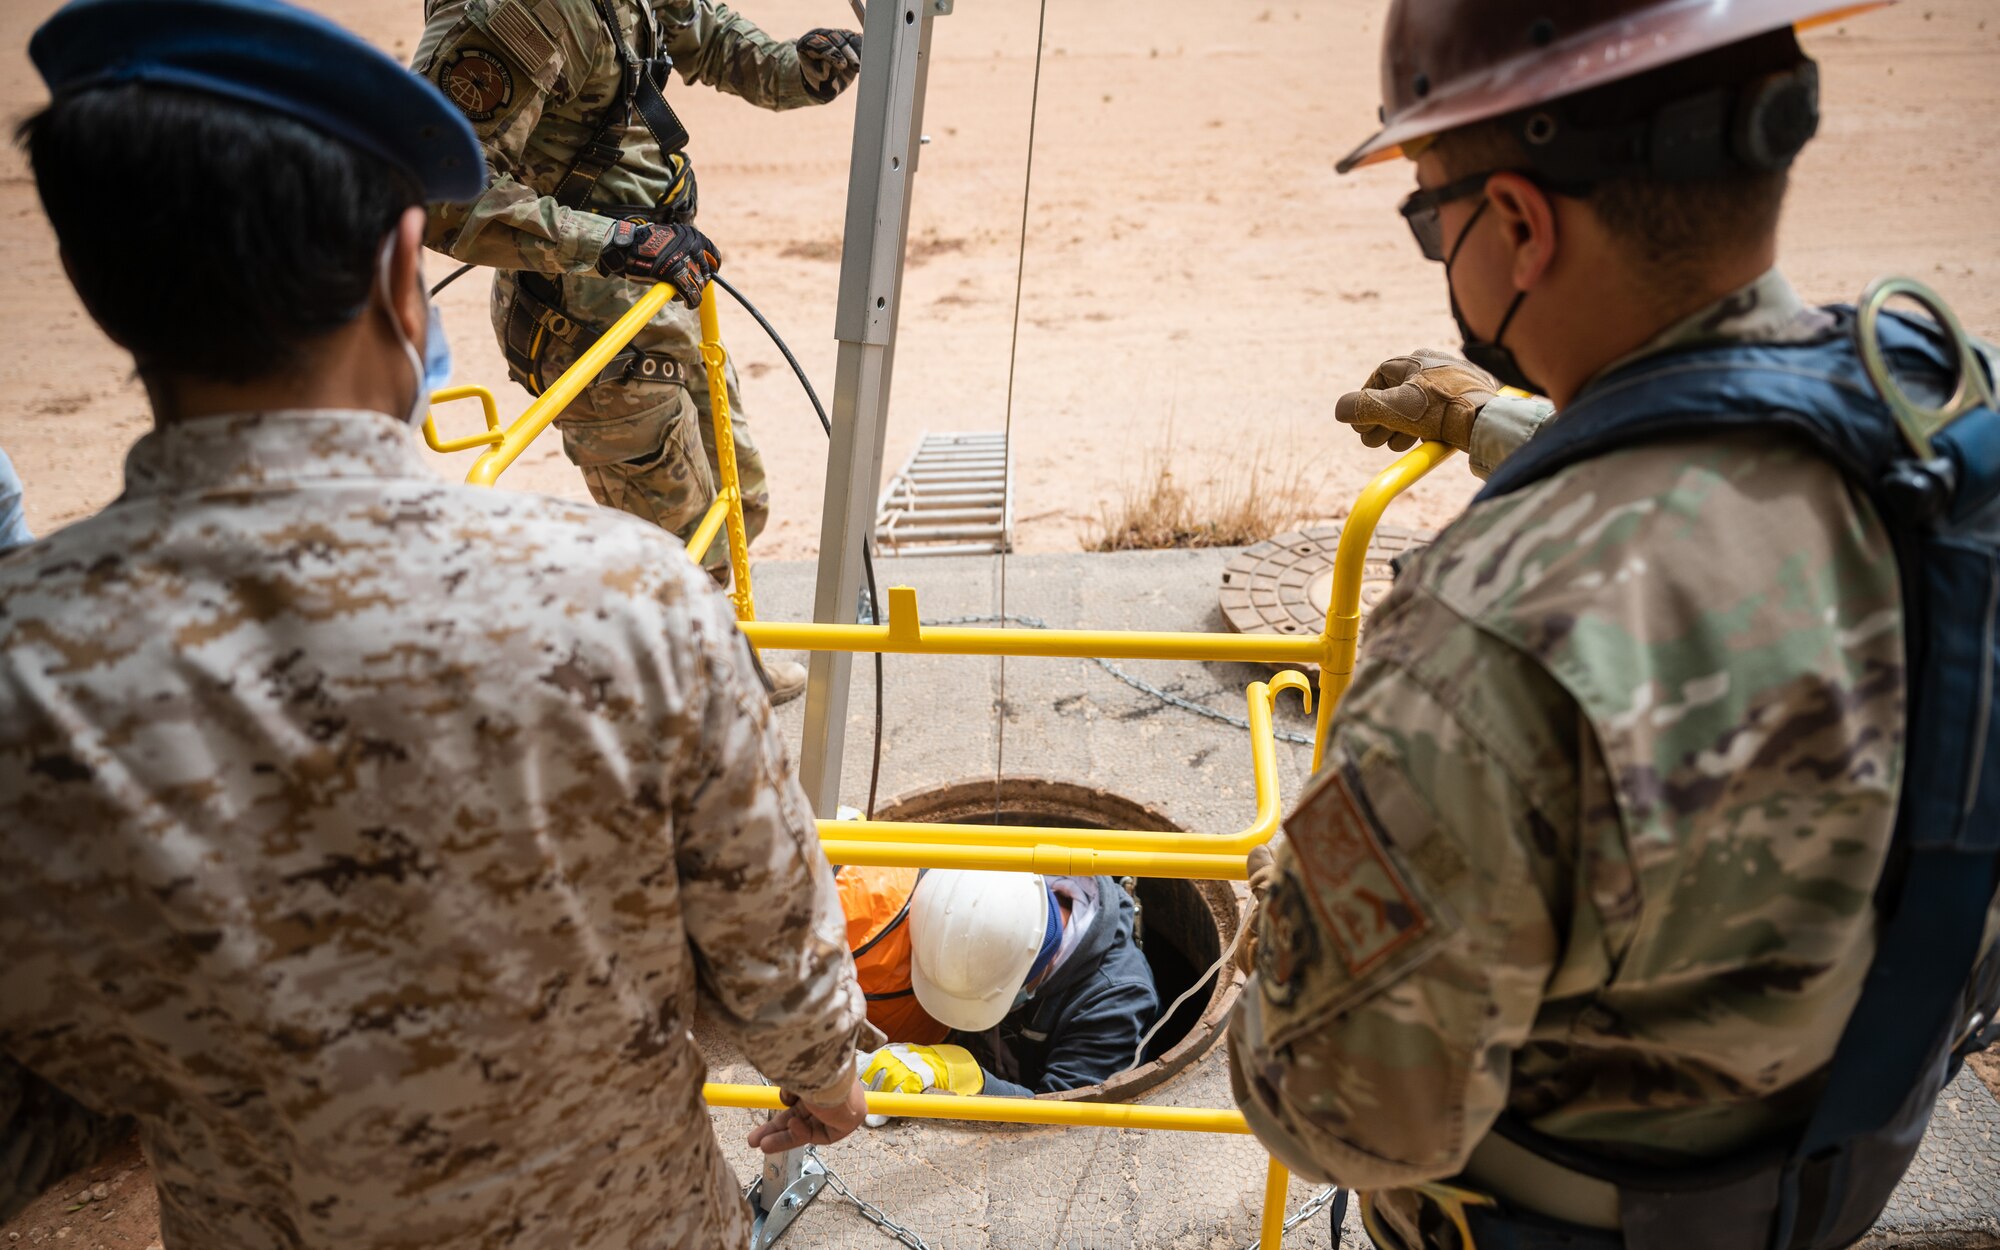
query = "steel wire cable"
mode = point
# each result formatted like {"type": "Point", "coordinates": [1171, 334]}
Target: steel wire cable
{"type": "Point", "coordinates": [1013, 363]}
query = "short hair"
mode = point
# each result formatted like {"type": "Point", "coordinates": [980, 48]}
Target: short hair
{"type": "Point", "coordinates": [210, 239]}
{"type": "Point", "coordinates": [1673, 227]}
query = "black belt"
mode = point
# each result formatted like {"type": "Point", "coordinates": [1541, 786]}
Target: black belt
{"type": "Point", "coordinates": [537, 319]}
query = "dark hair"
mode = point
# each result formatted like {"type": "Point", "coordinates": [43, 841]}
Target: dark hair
{"type": "Point", "coordinates": [1674, 227]}
{"type": "Point", "coordinates": [208, 238]}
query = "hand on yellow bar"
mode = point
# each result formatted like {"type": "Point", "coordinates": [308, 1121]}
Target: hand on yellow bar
{"type": "Point", "coordinates": [802, 1123]}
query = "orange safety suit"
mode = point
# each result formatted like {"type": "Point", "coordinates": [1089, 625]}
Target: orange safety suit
{"type": "Point", "coordinates": [877, 904]}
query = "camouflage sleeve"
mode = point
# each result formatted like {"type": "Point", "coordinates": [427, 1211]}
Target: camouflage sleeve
{"type": "Point", "coordinates": [502, 67]}
{"type": "Point", "coordinates": [1504, 424]}
{"type": "Point", "coordinates": [724, 49]}
{"type": "Point", "coordinates": [760, 906]}
{"type": "Point", "coordinates": [44, 1136]}
{"type": "Point", "coordinates": [1406, 940]}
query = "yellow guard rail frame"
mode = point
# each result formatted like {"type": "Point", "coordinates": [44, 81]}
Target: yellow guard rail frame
{"type": "Point", "coordinates": [1048, 850]}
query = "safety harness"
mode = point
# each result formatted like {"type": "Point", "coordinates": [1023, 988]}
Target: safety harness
{"type": "Point", "coordinates": [1927, 1001]}
{"type": "Point", "coordinates": [538, 317]}
{"type": "Point", "coordinates": [876, 903]}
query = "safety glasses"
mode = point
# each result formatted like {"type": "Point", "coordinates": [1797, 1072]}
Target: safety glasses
{"type": "Point", "coordinates": [1420, 209]}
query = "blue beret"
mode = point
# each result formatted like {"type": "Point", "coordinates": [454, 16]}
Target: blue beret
{"type": "Point", "coordinates": [271, 55]}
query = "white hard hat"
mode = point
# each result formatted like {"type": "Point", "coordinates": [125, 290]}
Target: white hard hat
{"type": "Point", "coordinates": [973, 939]}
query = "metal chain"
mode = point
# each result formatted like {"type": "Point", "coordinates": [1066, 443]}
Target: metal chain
{"type": "Point", "coordinates": [869, 1211]}
{"type": "Point", "coordinates": [1313, 1206]}
{"type": "Point", "coordinates": [1140, 684]}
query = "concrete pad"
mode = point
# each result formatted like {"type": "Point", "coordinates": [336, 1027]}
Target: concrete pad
{"type": "Point", "coordinates": [948, 718]}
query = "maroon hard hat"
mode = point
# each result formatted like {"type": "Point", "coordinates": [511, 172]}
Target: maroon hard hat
{"type": "Point", "coordinates": [1450, 63]}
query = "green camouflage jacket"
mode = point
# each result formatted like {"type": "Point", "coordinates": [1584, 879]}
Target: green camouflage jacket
{"type": "Point", "coordinates": [535, 78]}
{"type": "Point", "coordinates": [1601, 819]}
{"type": "Point", "coordinates": [372, 839]}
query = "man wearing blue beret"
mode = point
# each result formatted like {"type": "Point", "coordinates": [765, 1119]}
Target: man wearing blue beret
{"type": "Point", "coordinates": [368, 839]}
{"type": "Point", "coordinates": [589, 177]}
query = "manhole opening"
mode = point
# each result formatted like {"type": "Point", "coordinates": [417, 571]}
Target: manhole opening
{"type": "Point", "coordinates": [1183, 926]}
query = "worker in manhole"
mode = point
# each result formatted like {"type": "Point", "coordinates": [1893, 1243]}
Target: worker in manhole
{"type": "Point", "coordinates": [373, 865]}
{"type": "Point", "coordinates": [999, 983]}
{"type": "Point", "coordinates": [591, 200]}
{"type": "Point", "coordinates": [1646, 896]}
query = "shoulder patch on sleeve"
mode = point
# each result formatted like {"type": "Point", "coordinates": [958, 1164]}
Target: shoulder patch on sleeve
{"type": "Point", "coordinates": [1364, 902]}
{"type": "Point", "coordinates": [477, 81]}
{"type": "Point", "coordinates": [522, 38]}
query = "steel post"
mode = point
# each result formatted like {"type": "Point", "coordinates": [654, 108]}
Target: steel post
{"type": "Point", "coordinates": [888, 133]}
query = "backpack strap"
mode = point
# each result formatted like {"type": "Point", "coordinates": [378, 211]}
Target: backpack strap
{"type": "Point", "coordinates": [1943, 517]}
{"type": "Point", "coordinates": [638, 94]}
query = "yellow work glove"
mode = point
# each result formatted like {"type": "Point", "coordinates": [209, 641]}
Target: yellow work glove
{"type": "Point", "coordinates": [1425, 395]}
{"type": "Point", "coordinates": [1263, 869]}
{"type": "Point", "coordinates": [903, 1069]}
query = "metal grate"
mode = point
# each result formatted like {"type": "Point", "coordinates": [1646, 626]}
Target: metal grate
{"type": "Point", "coordinates": [954, 496]}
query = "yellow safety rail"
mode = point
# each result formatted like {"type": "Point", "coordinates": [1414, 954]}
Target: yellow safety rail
{"type": "Point", "coordinates": [1044, 1111]}
{"type": "Point", "coordinates": [1050, 850]}
{"type": "Point", "coordinates": [1350, 565]}
{"type": "Point", "coordinates": [1133, 852]}
{"type": "Point", "coordinates": [536, 417]}
{"type": "Point", "coordinates": [488, 405]}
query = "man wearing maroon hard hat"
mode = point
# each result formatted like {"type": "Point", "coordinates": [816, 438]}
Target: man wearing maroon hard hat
{"type": "Point", "coordinates": [1646, 898]}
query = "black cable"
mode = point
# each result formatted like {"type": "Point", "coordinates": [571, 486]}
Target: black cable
{"type": "Point", "coordinates": [867, 541]}
{"type": "Point", "coordinates": [450, 278]}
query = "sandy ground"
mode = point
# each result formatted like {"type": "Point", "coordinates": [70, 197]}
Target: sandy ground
{"type": "Point", "coordinates": [1197, 279]}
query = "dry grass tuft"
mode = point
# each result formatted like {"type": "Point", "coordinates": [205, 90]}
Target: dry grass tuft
{"type": "Point", "coordinates": [1250, 499]}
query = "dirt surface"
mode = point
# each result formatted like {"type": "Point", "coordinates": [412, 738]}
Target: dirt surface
{"type": "Point", "coordinates": [1196, 275]}
{"type": "Point", "coordinates": [111, 1206]}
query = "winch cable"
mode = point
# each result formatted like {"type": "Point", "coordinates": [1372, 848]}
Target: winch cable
{"type": "Point", "coordinates": [867, 541]}
{"type": "Point", "coordinates": [450, 278]}
{"type": "Point", "coordinates": [1013, 362]}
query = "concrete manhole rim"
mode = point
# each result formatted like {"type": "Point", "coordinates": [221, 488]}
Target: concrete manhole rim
{"type": "Point", "coordinates": [1282, 585]}
{"type": "Point", "coordinates": [1073, 803]}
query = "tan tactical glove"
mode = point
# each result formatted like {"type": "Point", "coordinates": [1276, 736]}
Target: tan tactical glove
{"type": "Point", "coordinates": [1425, 395]}
{"type": "Point", "coordinates": [1263, 870]}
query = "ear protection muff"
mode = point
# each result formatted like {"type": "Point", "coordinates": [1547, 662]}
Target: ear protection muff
{"type": "Point", "coordinates": [1775, 118]}
{"type": "Point", "coordinates": [1761, 125]}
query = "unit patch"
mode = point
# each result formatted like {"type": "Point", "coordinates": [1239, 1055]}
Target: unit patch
{"type": "Point", "coordinates": [1357, 890]}
{"type": "Point", "coordinates": [1287, 942]}
{"type": "Point", "coordinates": [478, 82]}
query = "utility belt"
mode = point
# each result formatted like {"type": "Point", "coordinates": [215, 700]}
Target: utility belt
{"type": "Point", "coordinates": [538, 320]}
{"type": "Point", "coordinates": [1508, 1198]}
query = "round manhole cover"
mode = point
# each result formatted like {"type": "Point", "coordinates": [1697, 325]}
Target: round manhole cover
{"type": "Point", "coordinates": [1283, 585]}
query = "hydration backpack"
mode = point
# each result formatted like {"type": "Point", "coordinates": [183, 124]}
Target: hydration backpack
{"type": "Point", "coordinates": [1921, 1009]}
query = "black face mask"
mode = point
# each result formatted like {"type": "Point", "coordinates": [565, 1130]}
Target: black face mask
{"type": "Point", "coordinates": [1491, 356]}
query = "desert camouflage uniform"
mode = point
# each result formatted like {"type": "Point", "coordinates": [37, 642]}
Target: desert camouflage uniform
{"type": "Point", "coordinates": [1601, 821]}
{"type": "Point", "coordinates": [372, 839]}
{"type": "Point", "coordinates": [644, 446]}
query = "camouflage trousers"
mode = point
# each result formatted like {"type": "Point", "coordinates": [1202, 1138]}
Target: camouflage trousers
{"type": "Point", "coordinates": [645, 446]}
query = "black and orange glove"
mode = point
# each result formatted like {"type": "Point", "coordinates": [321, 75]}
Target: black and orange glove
{"type": "Point", "coordinates": [828, 61]}
{"type": "Point", "coordinates": [679, 254]}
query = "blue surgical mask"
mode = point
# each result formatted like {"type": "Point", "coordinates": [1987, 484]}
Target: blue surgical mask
{"type": "Point", "coordinates": [420, 402]}
{"type": "Point", "coordinates": [437, 354]}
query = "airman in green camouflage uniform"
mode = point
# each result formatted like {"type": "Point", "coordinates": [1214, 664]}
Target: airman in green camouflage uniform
{"type": "Point", "coordinates": [1601, 820]}
{"type": "Point", "coordinates": [537, 79]}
